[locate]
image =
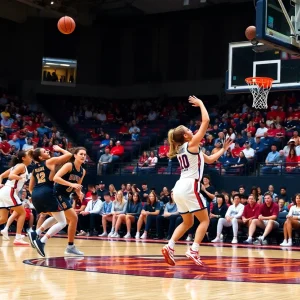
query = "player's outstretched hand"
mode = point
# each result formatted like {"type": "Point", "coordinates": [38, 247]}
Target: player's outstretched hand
{"type": "Point", "coordinates": [195, 101]}
{"type": "Point", "coordinates": [227, 144]}
{"type": "Point", "coordinates": [56, 148]}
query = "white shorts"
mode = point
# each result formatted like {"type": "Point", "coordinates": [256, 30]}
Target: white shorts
{"type": "Point", "coordinates": [187, 197]}
{"type": "Point", "coordinates": [9, 198]}
{"type": "Point", "coordinates": [275, 224]}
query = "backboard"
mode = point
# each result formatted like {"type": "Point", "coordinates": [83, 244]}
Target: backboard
{"type": "Point", "coordinates": [243, 62]}
{"type": "Point", "coordinates": [277, 24]}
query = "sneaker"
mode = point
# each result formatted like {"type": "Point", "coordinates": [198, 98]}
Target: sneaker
{"type": "Point", "coordinates": [32, 237]}
{"type": "Point", "coordinates": [248, 241]}
{"type": "Point", "coordinates": [127, 236]}
{"type": "Point", "coordinates": [82, 233]}
{"type": "Point", "coordinates": [194, 256]}
{"type": "Point", "coordinates": [115, 235]}
{"type": "Point", "coordinates": [20, 242]}
{"type": "Point", "coordinates": [284, 243]}
{"type": "Point", "coordinates": [168, 254]}
{"type": "Point", "coordinates": [189, 238]}
{"type": "Point", "coordinates": [221, 237]}
{"type": "Point", "coordinates": [39, 246]}
{"type": "Point", "coordinates": [216, 240]}
{"type": "Point", "coordinates": [258, 241]}
{"type": "Point", "coordinates": [289, 244]}
{"type": "Point", "coordinates": [137, 236]}
{"type": "Point", "coordinates": [144, 236]}
{"type": "Point", "coordinates": [111, 234]}
{"type": "Point", "coordinates": [5, 236]}
{"type": "Point", "coordinates": [72, 250]}
{"type": "Point", "coordinates": [234, 241]}
{"type": "Point", "coordinates": [103, 234]}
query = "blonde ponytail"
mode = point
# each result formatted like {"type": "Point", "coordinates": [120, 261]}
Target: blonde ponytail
{"type": "Point", "coordinates": [175, 138]}
{"type": "Point", "coordinates": [173, 148]}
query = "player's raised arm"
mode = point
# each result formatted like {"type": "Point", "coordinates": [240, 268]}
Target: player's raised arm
{"type": "Point", "coordinates": [204, 124]}
{"type": "Point", "coordinates": [212, 158]}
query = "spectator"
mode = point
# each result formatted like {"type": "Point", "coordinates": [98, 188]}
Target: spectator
{"type": "Point", "coordinates": [248, 151]}
{"type": "Point", "coordinates": [117, 151]}
{"type": "Point", "coordinates": [282, 207]}
{"type": "Point", "coordinates": [87, 218]}
{"type": "Point", "coordinates": [169, 216]}
{"type": "Point", "coordinates": [251, 211]}
{"type": "Point", "coordinates": [232, 219]}
{"type": "Point", "coordinates": [292, 222]}
{"type": "Point", "coordinates": [104, 162]}
{"type": "Point", "coordinates": [14, 142]}
{"type": "Point", "coordinates": [163, 150]}
{"type": "Point", "coordinates": [131, 215]}
{"type": "Point", "coordinates": [28, 145]}
{"type": "Point", "coordinates": [261, 130]}
{"type": "Point", "coordinates": [106, 210]}
{"type": "Point", "coordinates": [101, 190]}
{"type": "Point", "coordinates": [266, 220]}
{"type": "Point", "coordinates": [271, 159]}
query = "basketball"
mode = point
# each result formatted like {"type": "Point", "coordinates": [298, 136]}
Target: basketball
{"type": "Point", "coordinates": [66, 25]}
{"type": "Point", "coordinates": [250, 33]}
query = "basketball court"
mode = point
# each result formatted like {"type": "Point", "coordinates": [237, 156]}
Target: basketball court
{"type": "Point", "coordinates": [136, 270]}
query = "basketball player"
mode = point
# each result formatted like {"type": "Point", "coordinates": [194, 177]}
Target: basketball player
{"type": "Point", "coordinates": [67, 180]}
{"type": "Point", "coordinates": [190, 202]}
{"type": "Point", "coordinates": [9, 199]}
{"type": "Point", "coordinates": [43, 198]}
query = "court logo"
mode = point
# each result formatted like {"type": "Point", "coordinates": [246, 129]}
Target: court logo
{"type": "Point", "coordinates": [217, 268]}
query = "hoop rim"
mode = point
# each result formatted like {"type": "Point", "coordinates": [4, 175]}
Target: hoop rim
{"type": "Point", "coordinates": [265, 82]}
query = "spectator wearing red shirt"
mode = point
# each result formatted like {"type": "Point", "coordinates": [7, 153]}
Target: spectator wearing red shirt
{"type": "Point", "coordinates": [272, 131]}
{"type": "Point", "coordinates": [291, 161]}
{"type": "Point", "coordinates": [251, 211]}
{"type": "Point", "coordinates": [235, 152]}
{"type": "Point", "coordinates": [117, 151]}
{"type": "Point", "coordinates": [4, 148]}
{"type": "Point", "coordinates": [163, 150]}
{"type": "Point", "coordinates": [266, 220]}
{"type": "Point", "coordinates": [251, 128]}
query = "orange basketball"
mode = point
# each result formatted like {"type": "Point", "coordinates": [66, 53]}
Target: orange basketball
{"type": "Point", "coordinates": [250, 33]}
{"type": "Point", "coordinates": [66, 25]}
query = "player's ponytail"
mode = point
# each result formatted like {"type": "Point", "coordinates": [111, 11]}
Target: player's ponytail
{"type": "Point", "coordinates": [175, 138]}
{"type": "Point", "coordinates": [17, 159]}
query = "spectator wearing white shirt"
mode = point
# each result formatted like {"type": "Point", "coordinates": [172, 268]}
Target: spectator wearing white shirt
{"type": "Point", "coordinates": [232, 218]}
{"type": "Point", "coordinates": [260, 132]}
{"type": "Point", "coordinates": [248, 151]}
{"type": "Point", "coordinates": [28, 145]}
{"type": "Point", "coordinates": [134, 128]}
{"type": "Point", "coordinates": [291, 144]}
{"type": "Point", "coordinates": [88, 114]}
{"type": "Point", "coordinates": [101, 116]}
{"type": "Point", "coordinates": [292, 222]}
{"type": "Point", "coordinates": [86, 218]}
{"type": "Point", "coordinates": [152, 115]}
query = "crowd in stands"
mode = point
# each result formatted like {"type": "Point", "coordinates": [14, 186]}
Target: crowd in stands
{"type": "Point", "coordinates": [23, 127]}
{"type": "Point", "coordinates": [267, 141]}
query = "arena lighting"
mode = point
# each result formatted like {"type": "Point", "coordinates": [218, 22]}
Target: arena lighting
{"type": "Point", "coordinates": [186, 2]}
{"type": "Point", "coordinates": [52, 2]}
{"type": "Point", "coordinates": [202, 1]}
{"type": "Point", "coordinates": [65, 65]}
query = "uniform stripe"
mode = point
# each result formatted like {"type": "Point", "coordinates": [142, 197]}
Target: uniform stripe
{"type": "Point", "coordinates": [12, 191]}
{"type": "Point", "coordinates": [199, 166]}
{"type": "Point", "coordinates": [197, 194]}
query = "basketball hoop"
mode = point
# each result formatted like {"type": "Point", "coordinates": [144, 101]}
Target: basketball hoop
{"type": "Point", "coordinates": [259, 88]}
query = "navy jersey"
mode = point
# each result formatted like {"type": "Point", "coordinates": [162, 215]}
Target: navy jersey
{"type": "Point", "coordinates": [74, 176]}
{"type": "Point", "coordinates": [41, 174]}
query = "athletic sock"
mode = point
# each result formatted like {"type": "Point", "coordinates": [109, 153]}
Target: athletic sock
{"type": "Point", "coordinates": [18, 236]}
{"type": "Point", "coordinates": [171, 244]}
{"type": "Point", "coordinates": [195, 247]}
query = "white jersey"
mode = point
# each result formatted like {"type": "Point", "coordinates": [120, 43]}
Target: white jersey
{"type": "Point", "coordinates": [192, 164]}
{"type": "Point", "coordinates": [17, 185]}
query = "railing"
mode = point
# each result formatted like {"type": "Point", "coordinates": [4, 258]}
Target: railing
{"type": "Point", "coordinates": [172, 168]}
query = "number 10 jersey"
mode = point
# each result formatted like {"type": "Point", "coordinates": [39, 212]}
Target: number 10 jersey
{"type": "Point", "coordinates": [191, 164]}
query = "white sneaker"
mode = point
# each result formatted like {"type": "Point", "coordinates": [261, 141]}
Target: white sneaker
{"type": "Point", "coordinates": [111, 234]}
{"type": "Point", "coordinates": [144, 236]}
{"type": "Point", "coordinates": [103, 234]}
{"type": "Point", "coordinates": [234, 241]}
{"type": "Point", "coordinates": [115, 235]}
{"type": "Point", "coordinates": [216, 240]}
{"type": "Point", "coordinates": [221, 237]}
{"type": "Point", "coordinates": [82, 233]}
{"type": "Point", "coordinates": [5, 235]}
{"type": "Point", "coordinates": [137, 236]}
{"type": "Point", "coordinates": [289, 244]}
{"type": "Point", "coordinates": [284, 243]}
{"type": "Point", "coordinates": [20, 242]}
{"type": "Point", "coordinates": [189, 238]}
{"type": "Point", "coordinates": [127, 236]}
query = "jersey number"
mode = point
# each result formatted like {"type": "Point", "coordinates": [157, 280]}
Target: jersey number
{"type": "Point", "coordinates": [41, 177]}
{"type": "Point", "coordinates": [184, 162]}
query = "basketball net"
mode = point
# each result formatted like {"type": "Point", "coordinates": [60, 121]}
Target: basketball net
{"type": "Point", "coordinates": [259, 88]}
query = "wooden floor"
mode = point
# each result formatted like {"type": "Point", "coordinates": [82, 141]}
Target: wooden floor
{"type": "Point", "coordinates": [148, 276]}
